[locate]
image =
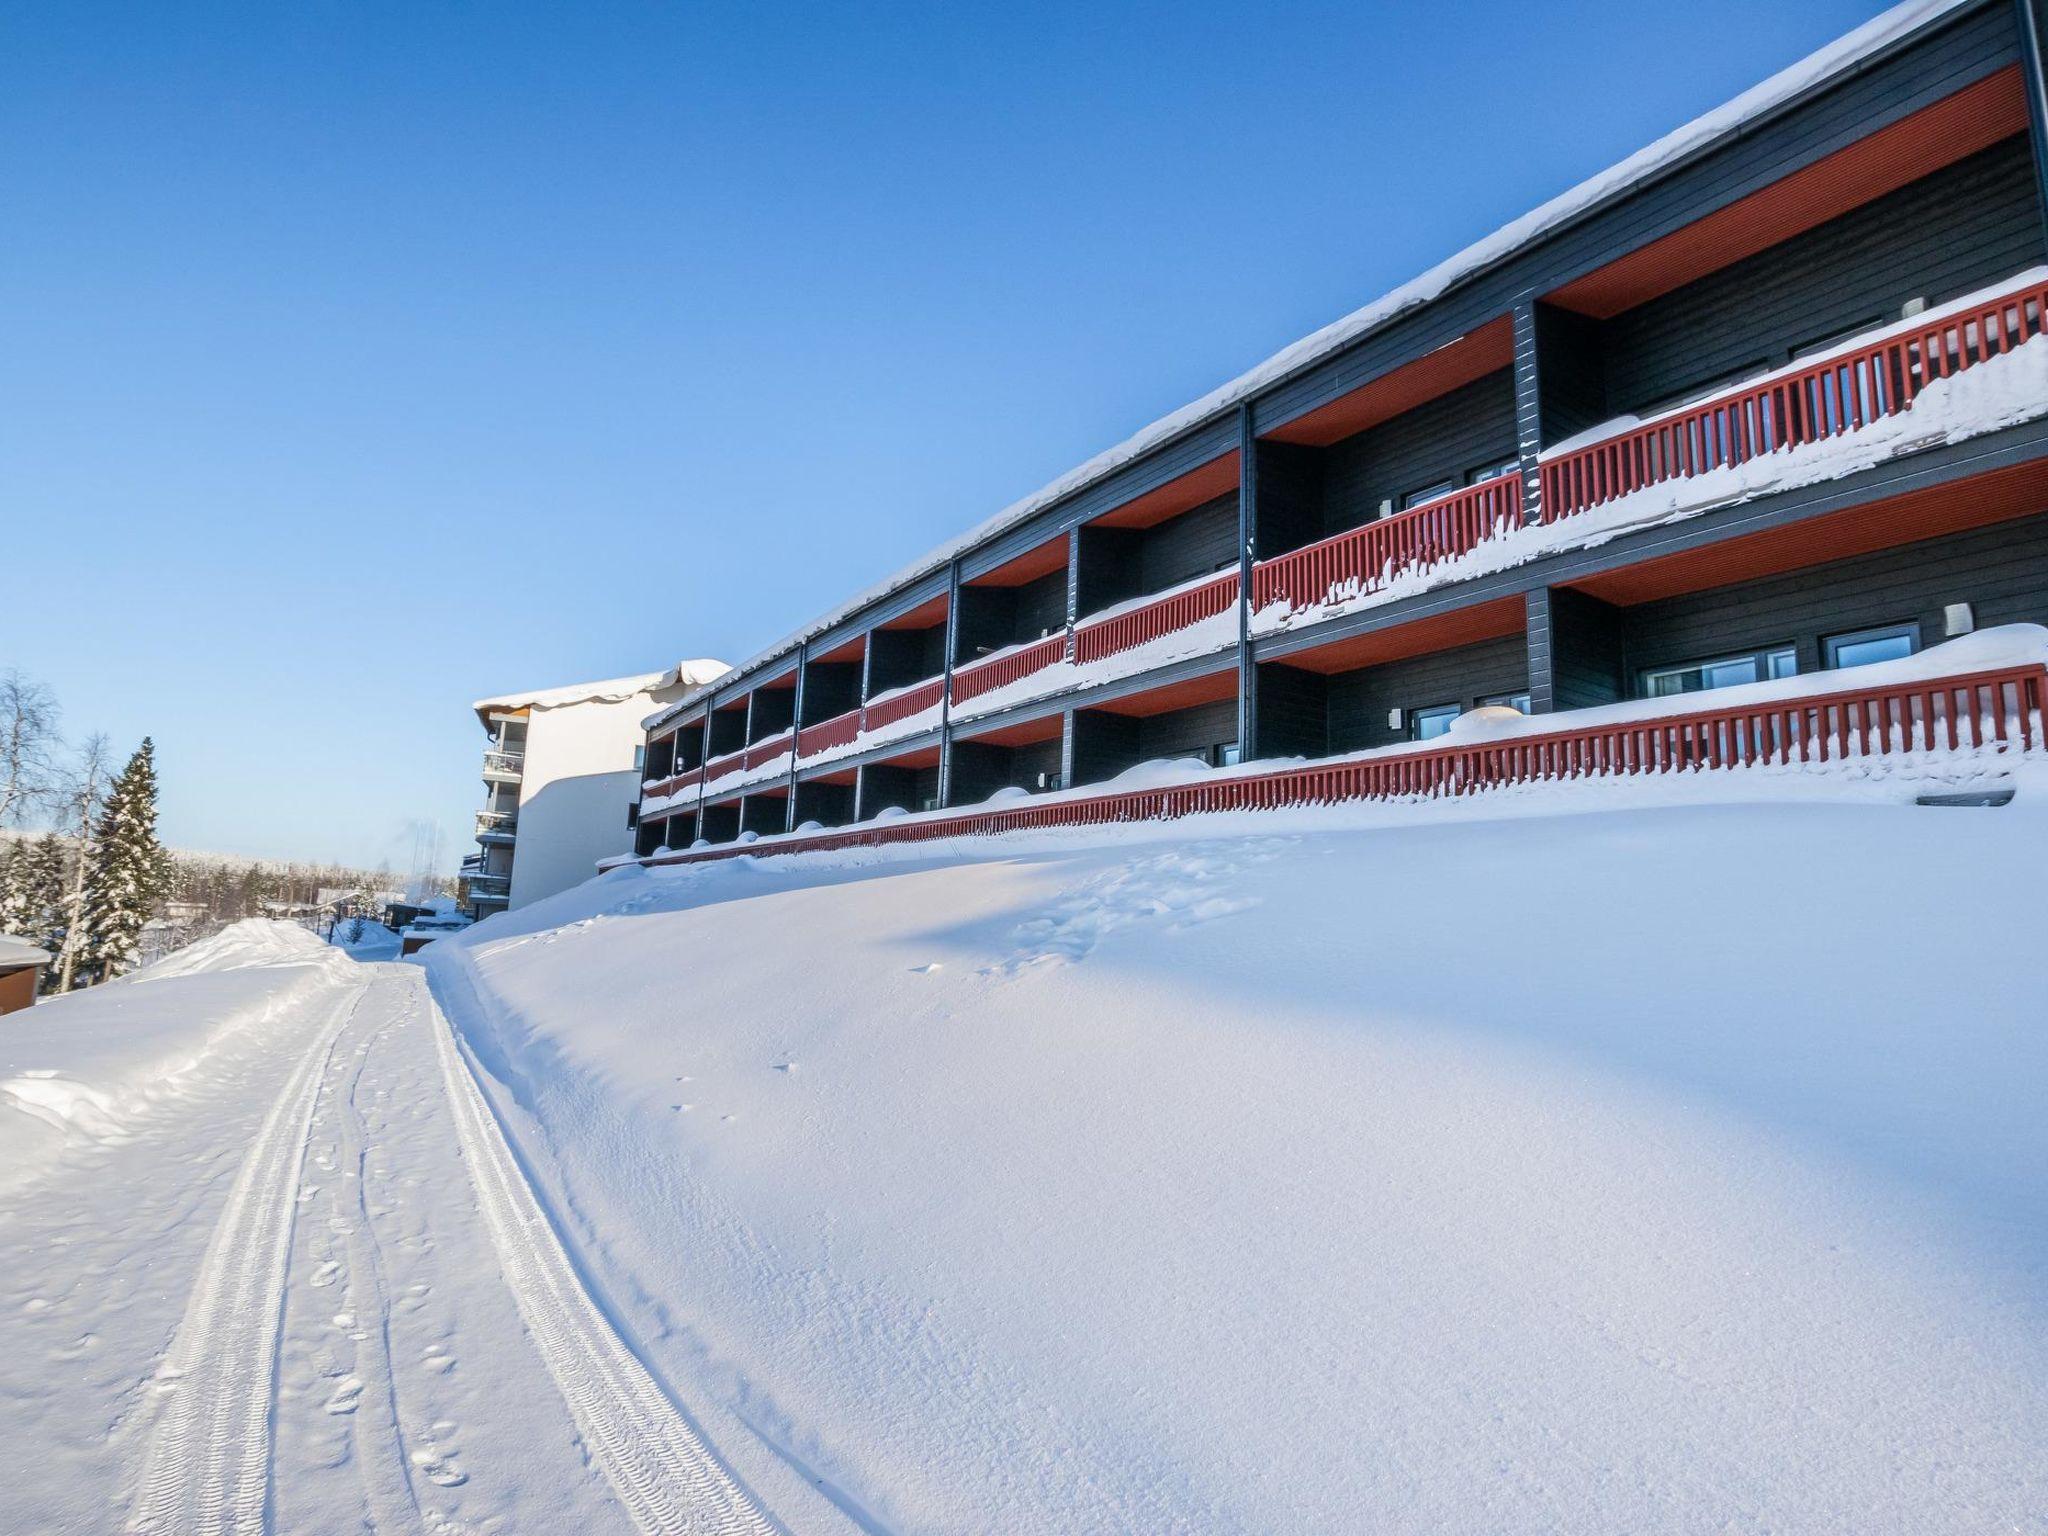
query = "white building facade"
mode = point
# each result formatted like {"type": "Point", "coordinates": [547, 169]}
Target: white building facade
{"type": "Point", "coordinates": [561, 770]}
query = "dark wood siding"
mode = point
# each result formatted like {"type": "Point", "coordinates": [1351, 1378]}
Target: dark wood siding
{"type": "Point", "coordinates": [1104, 745]}
{"type": "Point", "coordinates": [831, 688]}
{"type": "Point", "coordinates": [1187, 732]}
{"type": "Point", "coordinates": [1944, 235]}
{"type": "Point", "coordinates": [829, 805]}
{"type": "Point", "coordinates": [1360, 701]}
{"type": "Point", "coordinates": [2002, 572]}
{"type": "Point", "coordinates": [1193, 544]}
{"type": "Point", "coordinates": [1293, 712]}
{"type": "Point", "coordinates": [1444, 439]}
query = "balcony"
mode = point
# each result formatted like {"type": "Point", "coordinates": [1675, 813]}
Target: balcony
{"type": "Point", "coordinates": [902, 703]}
{"type": "Point", "coordinates": [1852, 388]}
{"type": "Point", "coordinates": [488, 887]}
{"type": "Point", "coordinates": [829, 735]}
{"type": "Point", "coordinates": [1127, 628]}
{"type": "Point", "coordinates": [496, 826]}
{"type": "Point", "coordinates": [762, 753]}
{"type": "Point", "coordinates": [1007, 667]}
{"type": "Point", "coordinates": [1368, 558]}
{"type": "Point", "coordinates": [504, 767]}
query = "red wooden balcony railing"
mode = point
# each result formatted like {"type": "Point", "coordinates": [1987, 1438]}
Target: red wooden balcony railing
{"type": "Point", "coordinates": [827, 734]}
{"type": "Point", "coordinates": [1364, 558]}
{"type": "Point", "coordinates": [1838, 394]}
{"type": "Point", "coordinates": [1136, 626]}
{"type": "Point", "coordinates": [767, 751]}
{"type": "Point", "coordinates": [904, 703]}
{"type": "Point", "coordinates": [2004, 709]}
{"type": "Point", "coordinates": [981, 677]}
{"type": "Point", "coordinates": [719, 767]}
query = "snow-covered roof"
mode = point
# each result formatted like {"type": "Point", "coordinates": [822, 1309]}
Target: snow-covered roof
{"type": "Point", "coordinates": [615, 690]}
{"type": "Point", "coordinates": [17, 951]}
{"type": "Point", "coordinates": [1816, 69]}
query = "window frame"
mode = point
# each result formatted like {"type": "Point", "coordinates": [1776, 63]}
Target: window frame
{"type": "Point", "coordinates": [1760, 655]}
{"type": "Point", "coordinates": [1451, 709]}
{"type": "Point", "coordinates": [1909, 631]}
{"type": "Point", "coordinates": [1507, 700]}
{"type": "Point", "coordinates": [1410, 500]}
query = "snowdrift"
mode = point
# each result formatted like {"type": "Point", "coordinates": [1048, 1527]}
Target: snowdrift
{"type": "Point", "coordinates": [1647, 1169]}
{"type": "Point", "coordinates": [87, 1064]}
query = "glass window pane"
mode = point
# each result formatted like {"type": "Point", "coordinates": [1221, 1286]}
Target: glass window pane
{"type": "Point", "coordinates": [1434, 721]}
{"type": "Point", "coordinates": [1874, 645]}
{"type": "Point", "coordinates": [1730, 674]}
{"type": "Point", "coordinates": [1784, 663]}
{"type": "Point", "coordinates": [1428, 493]}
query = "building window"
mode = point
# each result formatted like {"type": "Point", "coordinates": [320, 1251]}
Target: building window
{"type": "Point", "coordinates": [1431, 721]}
{"type": "Point", "coordinates": [640, 757]}
{"type": "Point", "coordinates": [1428, 493]}
{"type": "Point", "coordinates": [1514, 701]}
{"type": "Point", "coordinates": [1721, 672]}
{"type": "Point", "coordinates": [1494, 471]}
{"type": "Point", "coordinates": [1224, 754]}
{"type": "Point", "coordinates": [1891, 643]}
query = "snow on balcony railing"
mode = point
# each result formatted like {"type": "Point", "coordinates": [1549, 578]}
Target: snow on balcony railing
{"type": "Point", "coordinates": [762, 752]}
{"type": "Point", "coordinates": [1914, 713]}
{"type": "Point", "coordinates": [902, 703]}
{"type": "Point", "coordinates": [504, 762]}
{"type": "Point", "coordinates": [1848, 389]}
{"type": "Point", "coordinates": [1130, 627]}
{"type": "Point", "coordinates": [839, 731]}
{"type": "Point", "coordinates": [719, 767]}
{"type": "Point", "coordinates": [496, 821]}
{"type": "Point", "coordinates": [1366, 558]}
{"type": "Point", "coordinates": [1008, 666]}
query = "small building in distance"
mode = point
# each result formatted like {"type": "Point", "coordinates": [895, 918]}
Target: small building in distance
{"type": "Point", "coordinates": [562, 777]}
{"type": "Point", "coordinates": [21, 970]}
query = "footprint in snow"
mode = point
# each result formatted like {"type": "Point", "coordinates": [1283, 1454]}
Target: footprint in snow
{"type": "Point", "coordinates": [925, 970]}
{"type": "Point", "coordinates": [325, 1275]}
{"type": "Point", "coordinates": [435, 1357]}
{"type": "Point", "coordinates": [347, 1392]}
{"type": "Point", "coordinates": [439, 1469]}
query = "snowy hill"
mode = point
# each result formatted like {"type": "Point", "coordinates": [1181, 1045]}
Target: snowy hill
{"type": "Point", "coordinates": [1457, 1168]}
{"type": "Point", "coordinates": [1620, 1157]}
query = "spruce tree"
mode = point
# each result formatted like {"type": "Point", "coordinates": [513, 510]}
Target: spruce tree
{"type": "Point", "coordinates": [13, 886]}
{"type": "Point", "coordinates": [35, 892]}
{"type": "Point", "coordinates": [129, 869]}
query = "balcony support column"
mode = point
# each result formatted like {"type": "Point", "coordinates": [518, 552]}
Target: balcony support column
{"type": "Point", "coordinates": [1575, 651]}
{"type": "Point", "coordinates": [946, 682]}
{"type": "Point", "coordinates": [1528, 407]}
{"type": "Point", "coordinates": [1247, 556]}
{"type": "Point", "coordinates": [2031, 24]}
{"type": "Point", "coordinates": [1067, 750]}
{"type": "Point", "coordinates": [796, 727]}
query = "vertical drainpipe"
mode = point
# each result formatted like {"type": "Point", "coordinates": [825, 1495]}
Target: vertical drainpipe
{"type": "Point", "coordinates": [1247, 554]}
{"type": "Point", "coordinates": [946, 683]}
{"type": "Point", "coordinates": [1536, 628]}
{"type": "Point", "coordinates": [2029, 18]}
{"type": "Point", "coordinates": [796, 726]}
{"type": "Point", "coordinates": [1073, 613]}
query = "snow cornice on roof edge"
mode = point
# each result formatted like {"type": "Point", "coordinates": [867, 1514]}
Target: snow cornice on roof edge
{"type": "Point", "coordinates": [1845, 56]}
{"type": "Point", "coordinates": [696, 674]}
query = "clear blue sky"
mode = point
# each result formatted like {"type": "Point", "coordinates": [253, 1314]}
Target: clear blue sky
{"type": "Point", "coordinates": [363, 359]}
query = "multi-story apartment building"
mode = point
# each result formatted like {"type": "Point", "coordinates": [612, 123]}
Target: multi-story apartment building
{"type": "Point", "coordinates": [560, 769]}
{"type": "Point", "coordinates": [1764, 400]}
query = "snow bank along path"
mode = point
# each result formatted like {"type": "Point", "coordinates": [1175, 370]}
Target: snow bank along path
{"type": "Point", "coordinates": [657, 1464]}
{"type": "Point", "coordinates": [1464, 1166]}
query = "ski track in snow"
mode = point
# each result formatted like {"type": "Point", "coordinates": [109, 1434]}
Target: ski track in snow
{"type": "Point", "coordinates": [208, 1465]}
{"type": "Point", "coordinates": [661, 1470]}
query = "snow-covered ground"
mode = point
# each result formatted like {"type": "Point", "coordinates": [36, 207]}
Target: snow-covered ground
{"type": "Point", "coordinates": [1651, 1157]}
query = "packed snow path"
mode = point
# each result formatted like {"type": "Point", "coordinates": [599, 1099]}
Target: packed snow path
{"type": "Point", "coordinates": [359, 1316]}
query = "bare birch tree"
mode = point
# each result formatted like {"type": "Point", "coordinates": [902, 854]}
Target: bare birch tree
{"type": "Point", "coordinates": [28, 746]}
